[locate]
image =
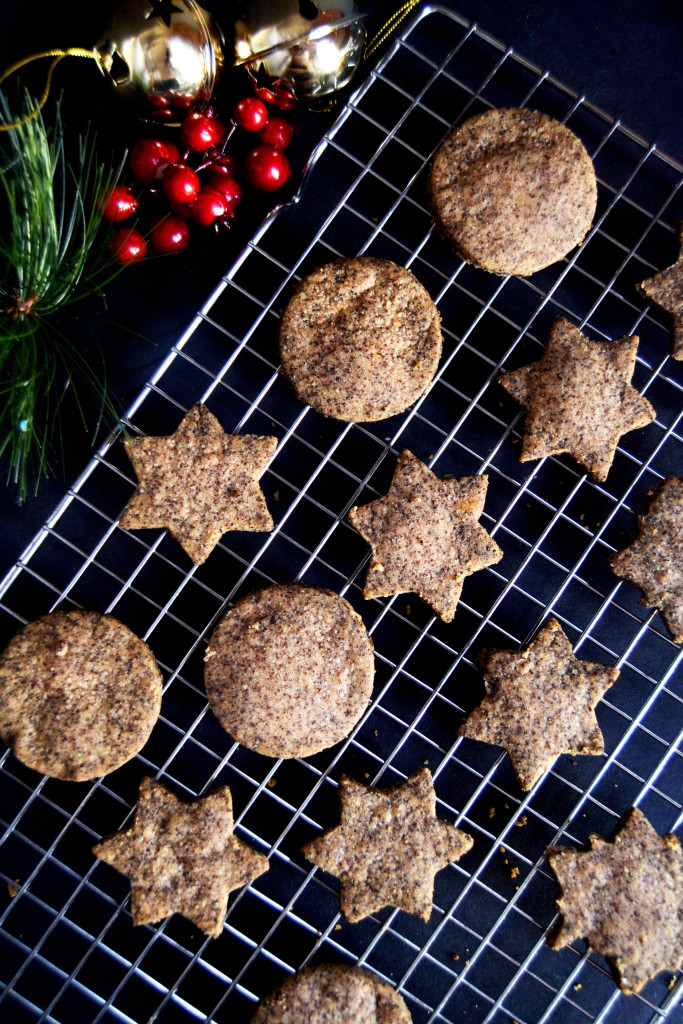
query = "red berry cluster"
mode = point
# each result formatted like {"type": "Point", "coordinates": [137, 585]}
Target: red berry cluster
{"type": "Point", "coordinates": [209, 192]}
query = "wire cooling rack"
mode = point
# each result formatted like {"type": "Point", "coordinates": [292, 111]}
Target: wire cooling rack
{"type": "Point", "coordinates": [68, 949]}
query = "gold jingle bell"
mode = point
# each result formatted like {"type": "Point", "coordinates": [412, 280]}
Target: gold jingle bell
{"type": "Point", "coordinates": [312, 47]}
{"type": "Point", "coordinates": [163, 55]}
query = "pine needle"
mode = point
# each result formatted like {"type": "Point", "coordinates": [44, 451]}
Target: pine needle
{"type": "Point", "coordinates": [52, 253]}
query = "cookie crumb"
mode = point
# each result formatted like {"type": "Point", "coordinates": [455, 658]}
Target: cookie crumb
{"type": "Point", "coordinates": [521, 822]}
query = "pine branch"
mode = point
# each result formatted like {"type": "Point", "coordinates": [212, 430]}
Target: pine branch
{"type": "Point", "coordinates": [51, 254]}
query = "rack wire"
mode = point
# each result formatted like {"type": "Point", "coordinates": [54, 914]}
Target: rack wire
{"type": "Point", "coordinates": [68, 948]}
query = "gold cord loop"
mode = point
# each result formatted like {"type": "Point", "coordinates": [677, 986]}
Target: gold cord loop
{"type": "Point", "coordinates": [57, 55]}
{"type": "Point", "coordinates": [388, 27]}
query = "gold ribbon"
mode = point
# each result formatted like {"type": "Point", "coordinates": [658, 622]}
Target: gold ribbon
{"type": "Point", "coordinates": [388, 27]}
{"type": "Point", "coordinates": [57, 55]}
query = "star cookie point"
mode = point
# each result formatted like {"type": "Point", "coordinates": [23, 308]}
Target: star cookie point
{"type": "Point", "coordinates": [540, 703]}
{"type": "Point", "coordinates": [425, 536]}
{"type": "Point", "coordinates": [198, 483]}
{"type": "Point", "coordinates": [579, 398]}
{"type": "Point", "coordinates": [665, 289]}
{"type": "Point", "coordinates": [182, 857]}
{"type": "Point", "coordinates": [388, 847]}
{"type": "Point", "coordinates": [625, 899]}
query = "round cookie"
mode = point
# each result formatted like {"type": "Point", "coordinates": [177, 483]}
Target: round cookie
{"type": "Point", "coordinates": [513, 190]}
{"type": "Point", "coordinates": [289, 670]}
{"type": "Point", "coordinates": [360, 339]}
{"type": "Point", "coordinates": [79, 694]}
{"type": "Point", "coordinates": [333, 994]}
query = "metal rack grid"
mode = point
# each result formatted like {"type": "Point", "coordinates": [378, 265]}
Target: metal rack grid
{"type": "Point", "coordinates": [69, 950]}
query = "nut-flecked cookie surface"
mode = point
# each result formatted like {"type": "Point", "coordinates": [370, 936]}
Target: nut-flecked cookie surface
{"type": "Point", "coordinates": [289, 670]}
{"type": "Point", "coordinates": [665, 289]}
{"type": "Point", "coordinates": [79, 694]}
{"type": "Point", "coordinates": [182, 857]}
{"type": "Point", "coordinates": [425, 535]}
{"type": "Point", "coordinates": [579, 398]}
{"type": "Point", "coordinates": [540, 702]}
{"type": "Point", "coordinates": [654, 560]}
{"type": "Point", "coordinates": [333, 994]}
{"type": "Point", "coordinates": [360, 339]}
{"type": "Point", "coordinates": [198, 483]}
{"type": "Point", "coordinates": [625, 898]}
{"type": "Point", "coordinates": [513, 190]}
{"type": "Point", "coordinates": [388, 847]}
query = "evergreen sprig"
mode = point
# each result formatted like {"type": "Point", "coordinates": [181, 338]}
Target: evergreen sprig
{"type": "Point", "coordinates": [51, 254]}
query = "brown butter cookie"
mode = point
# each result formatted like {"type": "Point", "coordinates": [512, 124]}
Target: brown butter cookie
{"type": "Point", "coordinates": [625, 898]}
{"type": "Point", "coordinates": [198, 483]}
{"type": "Point", "coordinates": [513, 190]}
{"type": "Point", "coordinates": [333, 994]}
{"type": "Point", "coordinates": [182, 857]}
{"type": "Point", "coordinates": [665, 289]}
{"type": "Point", "coordinates": [579, 398]}
{"type": "Point", "coordinates": [540, 702]}
{"type": "Point", "coordinates": [360, 339]}
{"type": "Point", "coordinates": [79, 694]}
{"type": "Point", "coordinates": [289, 670]}
{"type": "Point", "coordinates": [388, 847]}
{"type": "Point", "coordinates": [653, 562]}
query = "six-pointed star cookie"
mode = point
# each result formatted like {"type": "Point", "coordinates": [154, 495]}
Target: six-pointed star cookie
{"type": "Point", "coordinates": [625, 898]}
{"type": "Point", "coordinates": [198, 483]}
{"type": "Point", "coordinates": [182, 857]}
{"type": "Point", "coordinates": [540, 702]}
{"type": "Point", "coordinates": [654, 560]}
{"type": "Point", "coordinates": [388, 847]}
{"type": "Point", "coordinates": [425, 536]}
{"type": "Point", "coordinates": [666, 290]}
{"type": "Point", "coordinates": [579, 398]}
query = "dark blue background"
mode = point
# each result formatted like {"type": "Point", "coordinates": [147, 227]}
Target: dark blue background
{"type": "Point", "coordinates": [624, 56]}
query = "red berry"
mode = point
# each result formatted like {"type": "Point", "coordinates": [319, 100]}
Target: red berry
{"type": "Point", "coordinates": [250, 114]}
{"type": "Point", "coordinates": [267, 95]}
{"type": "Point", "coordinates": [284, 97]}
{"type": "Point", "coordinates": [199, 131]}
{"type": "Point", "coordinates": [230, 189]}
{"type": "Point", "coordinates": [119, 204]}
{"type": "Point", "coordinates": [181, 210]}
{"type": "Point", "coordinates": [277, 132]}
{"type": "Point", "coordinates": [224, 164]}
{"type": "Point", "coordinates": [127, 246]}
{"type": "Point", "coordinates": [169, 235]}
{"type": "Point", "coordinates": [266, 168]}
{"type": "Point", "coordinates": [180, 183]}
{"type": "Point", "coordinates": [173, 152]}
{"type": "Point", "coordinates": [208, 205]}
{"type": "Point", "coordinates": [148, 158]}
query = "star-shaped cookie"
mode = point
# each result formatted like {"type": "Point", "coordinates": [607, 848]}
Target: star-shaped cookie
{"type": "Point", "coordinates": [625, 898]}
{"type": "Point", "coordinates": [425, 536]}
{"type": "Point", "coordinates": [388, 847]}
{"type": "Point", "coordinates": [579, 398]}
{"type": "Point", "coordinates": [654, 560]}
{"type": "Point", "coordinates": [198, 483]}
{"type": "Point", "coordinates": [665, 289]}
{"type": "Point", "coordinates": [540, 702]}
{"type": "Point", "coordinates": [182, 857]}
